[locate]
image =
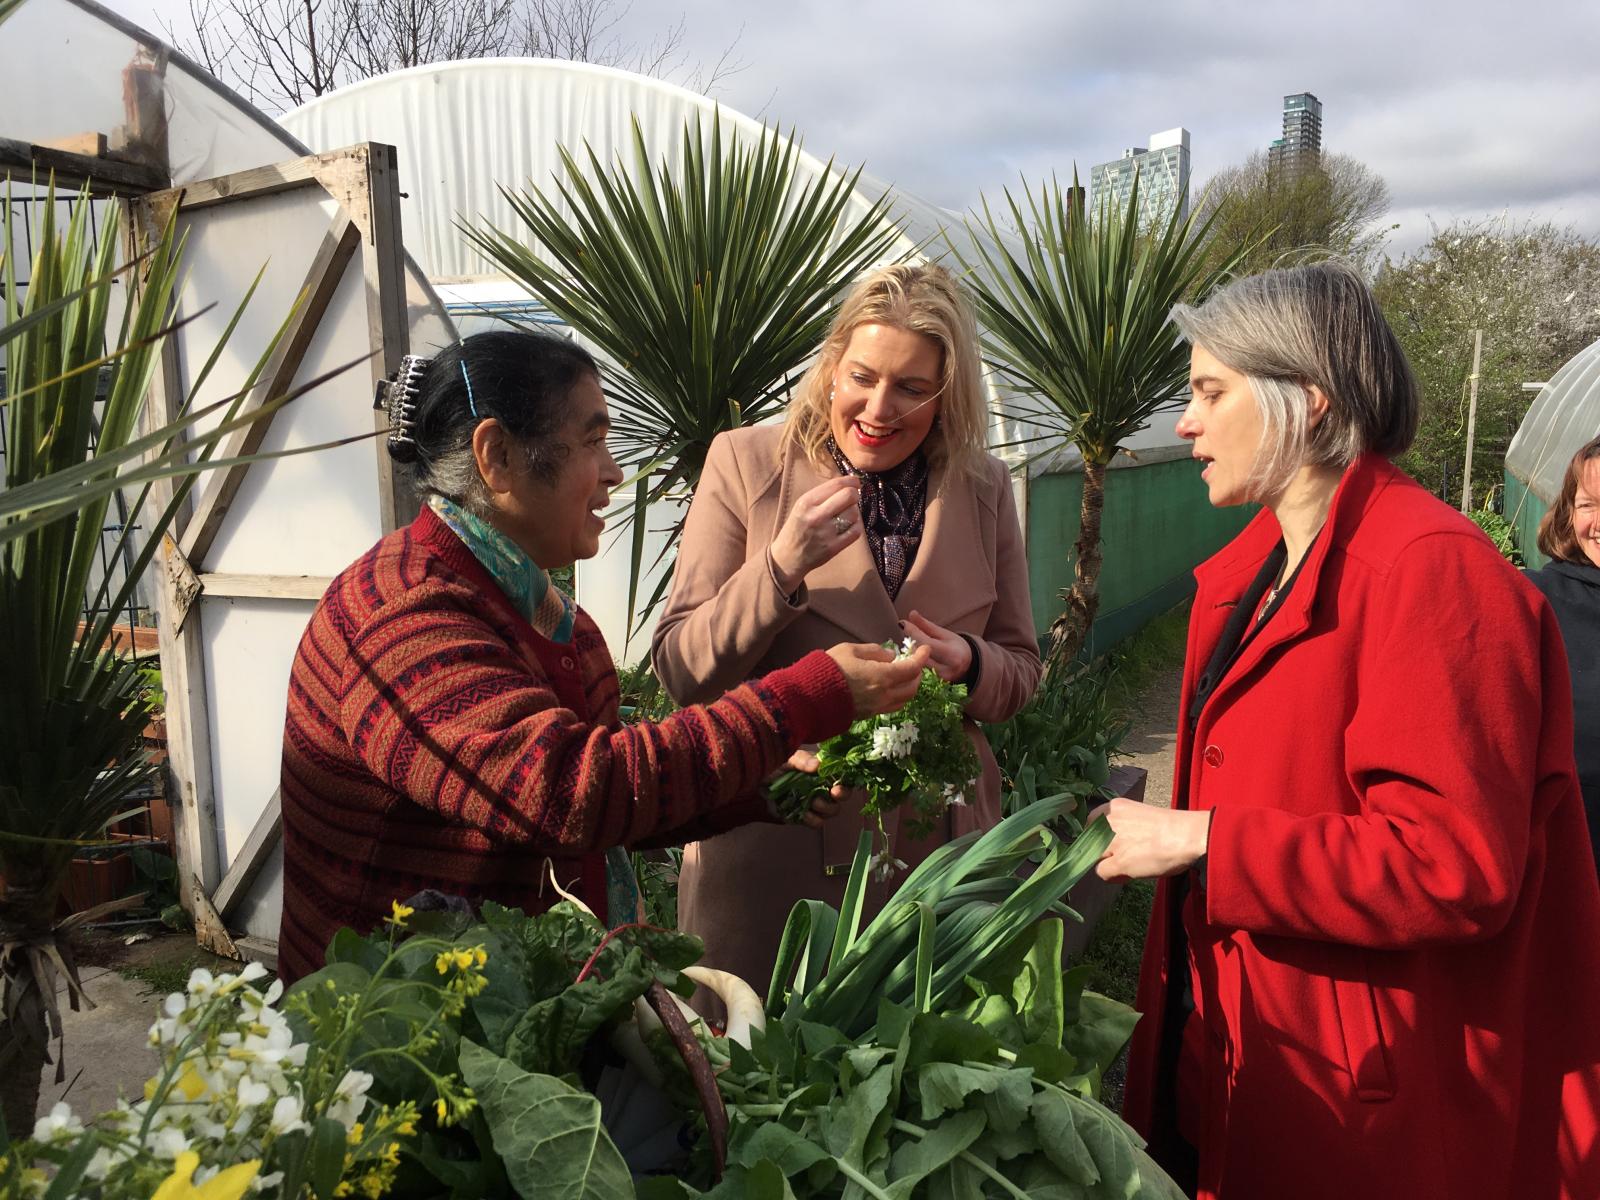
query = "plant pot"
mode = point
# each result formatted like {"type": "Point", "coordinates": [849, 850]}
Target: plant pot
{"type": "Point", "coordinates": [97, 880]}
{"type": "Point", "coordinates": [1093, 896]}
{"type": "Point", "coordinates": [155, 739]}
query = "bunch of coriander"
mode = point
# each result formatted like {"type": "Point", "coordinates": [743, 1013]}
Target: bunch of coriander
{"type": "Point", "coordinates": [919, 760]}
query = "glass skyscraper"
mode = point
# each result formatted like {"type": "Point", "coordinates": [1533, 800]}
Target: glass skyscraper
{"type": "Point", "coordinates": [1163, 172]}
{"type": "Point", "coordinates": [1301, 143]}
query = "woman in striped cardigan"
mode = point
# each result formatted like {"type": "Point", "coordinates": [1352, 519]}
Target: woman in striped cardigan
{"type": "Point", "coordinates": [453, 717]}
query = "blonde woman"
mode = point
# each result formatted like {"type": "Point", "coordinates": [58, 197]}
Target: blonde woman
{"type": "Point", "coordinates": [873, 514]}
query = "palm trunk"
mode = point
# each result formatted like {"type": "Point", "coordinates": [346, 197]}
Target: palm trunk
{"type": "Point", "coordinates": [1070, 630]}
{"type": "Point", "coordinates": [25, 915]}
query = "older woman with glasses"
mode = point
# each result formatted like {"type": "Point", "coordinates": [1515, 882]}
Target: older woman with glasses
{"type": "Point", "coordinates": [1373, 965]}
{"type": "Point", "coordinates": [874, 513]}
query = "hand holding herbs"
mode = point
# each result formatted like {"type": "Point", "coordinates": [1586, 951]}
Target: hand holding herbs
{"type": "Point", "coordinates": [880, 680]}
{"type": "Point", "coordinates": [919, 759]}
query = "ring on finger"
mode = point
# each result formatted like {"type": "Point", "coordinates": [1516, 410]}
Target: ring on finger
{"type": "Point", "coordinates": [841, 523]}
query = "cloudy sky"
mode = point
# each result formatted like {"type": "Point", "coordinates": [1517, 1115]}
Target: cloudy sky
{"type": "Point", "coordinates": [1466, 109]}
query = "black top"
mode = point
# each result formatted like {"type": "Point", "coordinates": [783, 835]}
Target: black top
{"type": "Point", "coordinates": [1242, 626]}
{"type": "Point", "coordinates": [1573, 590]}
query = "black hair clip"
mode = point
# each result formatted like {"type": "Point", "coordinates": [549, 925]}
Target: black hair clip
{"type": "Point", "coordinates": [399, 397]}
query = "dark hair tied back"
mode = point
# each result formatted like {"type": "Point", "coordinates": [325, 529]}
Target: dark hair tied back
{"type": "Point", "coordinates": [521, 379]}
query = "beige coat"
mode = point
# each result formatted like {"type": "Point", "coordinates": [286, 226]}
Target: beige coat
{"type": "Point", "coordinates": [726, 621]}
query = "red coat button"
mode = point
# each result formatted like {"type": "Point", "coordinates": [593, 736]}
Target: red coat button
{"type": "Point", "coordinates": [567, 664]}
{"type": "Point", "coordinates": [1213, 756]}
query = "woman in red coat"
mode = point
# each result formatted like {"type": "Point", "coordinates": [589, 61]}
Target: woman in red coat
{"type": "Point", "coordinates": [1373, 968]}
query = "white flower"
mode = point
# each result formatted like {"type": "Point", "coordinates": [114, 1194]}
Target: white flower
{"type": "Point", "coordinates": [882, 743]}
{"type": "Point", "coordinates": [100, 1165]}
{"type": "Point", "coordinates": [886, 866]}
{"type": "Point", "coordinates": [252, 972]}
{"type": "Point", "coordinates": [893, 741]}
{"type": "Point", "coordinates": [169, 1142]}
{"type": "Point", "coordinates": [286, 1116]}
{"type": "Point", "coordinates": [253, 1092]}
{"type": "Point", "coordinates": [201, 982]}
{"type": "Point", "coordinates": [262, 1182]}
{"type": "Point", "coordinates": [59, 1124]}
{"type": "Point", "coordinates": [907, 648]}
{"type": "Point", "coordinates": [350, 1097]}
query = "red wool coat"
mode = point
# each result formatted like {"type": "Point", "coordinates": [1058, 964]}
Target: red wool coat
{"type": "Point", "coordinates": [1395, 946]}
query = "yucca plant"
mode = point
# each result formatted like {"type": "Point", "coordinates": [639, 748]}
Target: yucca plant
{"type": "Point", "coordinates": [72, 712]}
{"type": "Point", "coordinates": [1076, 318]}
{"type": "Point", "coordinates": [709, 286]}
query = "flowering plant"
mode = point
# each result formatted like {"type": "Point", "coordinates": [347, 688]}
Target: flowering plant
{"type": "Point", "coordinates": [254, 1096]}
{"type": "Point", "coordinates": [918, 759]}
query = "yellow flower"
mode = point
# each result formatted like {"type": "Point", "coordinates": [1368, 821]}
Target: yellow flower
{"type": "Point", "coordinates": [357, 1132]}
{"type": "Point", "coordinates": [391, 1154]}
{"type": "Point", "coordinates": [398, 914]}
{"type": "Point", "coordinates": [343, 1188]}
{"type": "Point", "coordinates": [441, 1109]}
{"type": "Point", "coordinates": [480, 954]}
{"type": "Point", "coordinates": [463, 959]}
{"type": "Point", "coordinates": [443, 961]}
{"type": "Point", "coordinates": [225, 1185]}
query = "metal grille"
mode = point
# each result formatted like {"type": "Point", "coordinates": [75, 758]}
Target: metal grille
{"type": "Point", "coordinates": [135, 629]}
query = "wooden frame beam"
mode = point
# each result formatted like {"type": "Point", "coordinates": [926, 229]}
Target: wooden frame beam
{"type": "Point", "coordinates": [190, 788]}
{"type": "Point", "coordinates": [252, 856]}
{"type": "Point", "coordinates": [103, 176]}
{"type": "Point", "coordinates": [327, 271]}
{"type": "Point", "coordinates": [266, 587]}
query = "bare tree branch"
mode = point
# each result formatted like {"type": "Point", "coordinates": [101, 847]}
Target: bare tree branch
{"type": "Point", "coordinates": [281, 54]}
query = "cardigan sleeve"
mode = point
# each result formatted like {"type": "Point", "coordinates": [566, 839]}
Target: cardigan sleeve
{"type": "Point", "coordinates": [1459, 685]}
{"type": "Point", "coordinates": [440, 708]}
{"type": "Point", "coordinates": [725, 607]}
{"type": "Point", "coordinates": [1009, 646]}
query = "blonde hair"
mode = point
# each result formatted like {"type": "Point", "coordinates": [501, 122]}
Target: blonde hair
{"type": "Point", "coordinates": [918, 299]}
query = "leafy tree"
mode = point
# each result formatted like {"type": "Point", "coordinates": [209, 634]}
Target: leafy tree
{"type": "Point", "coordinates": [1534, 290]}
{"type": "Point", "coordinates": [1335, 207]}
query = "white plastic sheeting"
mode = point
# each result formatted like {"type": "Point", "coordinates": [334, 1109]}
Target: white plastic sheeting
{"type": "Point", "coordinates": [71, 67]}
{"type": "Point", "coordinates": [1564, 415]}
{"type": "Point", "coordinates": [464, 129]}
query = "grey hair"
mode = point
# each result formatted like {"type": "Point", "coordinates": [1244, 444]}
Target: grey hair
{"type": "Point", "coordinates": [1317, 325]}
{"type": "Point", "coordinates": [454, 475]}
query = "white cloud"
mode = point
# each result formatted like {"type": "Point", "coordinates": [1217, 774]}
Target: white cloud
{"type": "Point", "coordinates": [1465, 110]}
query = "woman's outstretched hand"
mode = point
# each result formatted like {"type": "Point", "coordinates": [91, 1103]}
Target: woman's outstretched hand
{"type": "Point", "coordinates": [1151, 842]}
{"type": "Point", "coordinates": [822, 807]}
{"type": "Point", "coordinates": [952, 654]}
{"type": "Point", "coordinates": [822, 522]}
{"type": "Point", "coordinates": [879, 682]}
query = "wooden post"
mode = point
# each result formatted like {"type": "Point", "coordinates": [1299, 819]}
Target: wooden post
{"type": "Point", "coordinates": [1472, 421]}
{"type": "Point", "coordinates": [190, 789]}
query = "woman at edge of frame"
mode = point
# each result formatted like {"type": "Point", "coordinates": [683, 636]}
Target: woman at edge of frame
{"type": "Point", "coordinates": [1373, 964]}
{"type": "Point", "coordinates": [1569, 535]}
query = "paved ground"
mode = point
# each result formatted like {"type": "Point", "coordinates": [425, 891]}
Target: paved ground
{"type": "Point", "coordinates": [1151, 741]}
{"type": "Point", "coordinates": [107, 1054]}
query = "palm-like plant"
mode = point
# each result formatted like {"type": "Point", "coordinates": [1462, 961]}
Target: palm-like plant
{"type": "Point", "coordinates": [1075, 312]}
{"type": "Point", "coordinates": [709, 287]}
{"type": "Point", "coordinates": [72, 712]}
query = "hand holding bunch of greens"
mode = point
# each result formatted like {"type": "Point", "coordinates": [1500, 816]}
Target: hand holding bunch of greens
{"type": "Point", "coordinates": [918, 759]}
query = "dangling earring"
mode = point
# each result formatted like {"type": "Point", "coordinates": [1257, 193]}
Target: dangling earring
{"type": "Point", "coordinates": [831, 389]}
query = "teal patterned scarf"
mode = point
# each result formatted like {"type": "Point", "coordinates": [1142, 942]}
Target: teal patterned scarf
{"type": "Point", "coordinates": [525, 582]}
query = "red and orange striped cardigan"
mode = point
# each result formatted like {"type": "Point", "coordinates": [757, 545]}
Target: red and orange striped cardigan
{"type": "Point", "coordinates": [435, 740]}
